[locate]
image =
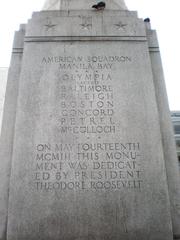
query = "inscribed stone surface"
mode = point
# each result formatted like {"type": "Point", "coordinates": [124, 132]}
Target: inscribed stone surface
{"type": "Point", "coordinates": [88, 153]}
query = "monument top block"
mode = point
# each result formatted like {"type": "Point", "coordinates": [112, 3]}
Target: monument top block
{"type": "Point", "coordinates": [82, 4]}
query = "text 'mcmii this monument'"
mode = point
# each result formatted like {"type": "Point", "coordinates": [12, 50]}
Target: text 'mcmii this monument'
{"type": "Point", "coordinates": [87, 149]}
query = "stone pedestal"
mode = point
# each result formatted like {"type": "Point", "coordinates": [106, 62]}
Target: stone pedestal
{"type": "Point", "coordinates": [88, 158]}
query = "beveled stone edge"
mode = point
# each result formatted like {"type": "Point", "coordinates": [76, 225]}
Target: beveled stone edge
{"type": "Point", "coordinates": [70, 13]}
{"type": "Point", "coordinates": [84, 38]}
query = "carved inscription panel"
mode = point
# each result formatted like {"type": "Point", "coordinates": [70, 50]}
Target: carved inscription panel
{"type": "Point", "coordinates": [97, 166]}
{"type": "Point", "coordinates": [87, 155]}
{"type": "Point", "coordinates": [90, 153]}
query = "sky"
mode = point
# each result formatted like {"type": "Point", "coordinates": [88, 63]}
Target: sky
{"type": "Point", "coordinates": [164, 17]}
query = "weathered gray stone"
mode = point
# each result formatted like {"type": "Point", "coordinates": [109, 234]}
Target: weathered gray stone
{"type": "Point", "coordinates": [7, 133]}
{"type": "Point", "coordinates": [88, 160]}
{"type": "Point", "coordinates": [3, 81]}
{"type": "Point", "coordinates": [77, 24]}
{"type": "Point", "coordinates": [169, 147]}
{"type": "Point", "coordinates": [81, 4]}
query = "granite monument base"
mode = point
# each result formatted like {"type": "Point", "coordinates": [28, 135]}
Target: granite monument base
{"type": "Point", "coordinates": [88, 158]}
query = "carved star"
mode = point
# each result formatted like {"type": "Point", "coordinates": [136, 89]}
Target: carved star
{"type": "Point", "coordinates": [86, 26]}
{"type": "Point", "coordinates": [120, 26]}
{"type": "Point", "coordinates": [86, 23]}
{"type": "Point", "coordinates": [49, 25]}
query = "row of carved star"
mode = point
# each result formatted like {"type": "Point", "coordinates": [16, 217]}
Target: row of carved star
{"type": "Point", "coordinates": [87, 25]}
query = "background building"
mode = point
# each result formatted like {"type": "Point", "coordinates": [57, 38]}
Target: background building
{"type": "Point", "coordinates": [175, 115]}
